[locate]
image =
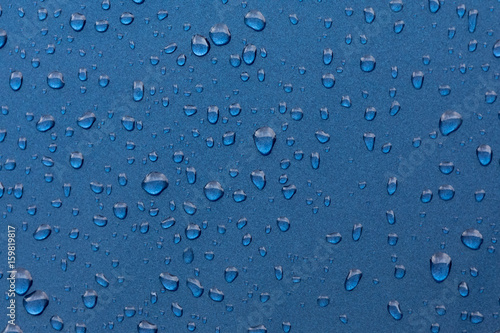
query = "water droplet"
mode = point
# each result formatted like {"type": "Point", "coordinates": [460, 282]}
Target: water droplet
{"type": "Point", "coordinates": [258, 178]}
{"type": "Point", "coordinates": [472, 238]}
{"type": "Point", "coordinates": [23, 281]}
{"type": "Point", "coordinates": [199, 45]}
{"type": "Point", "coordinates": [328, 80]}
{"type": "Point", "coordinates": [169, 281]}
{"type": "Point", "coordinates": [3, 38]}
{"type": "Point", "coordinates": [449, 122]}
{"type": "Point", "coordinates": [213, 191]}
{"type": "Point", "coordinates": [36, 302]}
{"type": "Point", "coordinates": [368, 63]}
{"type": "Point", "coordinates": [219, 34]}
{"type": "Point", "coordinates": [440, 266]}
{"type": "Point", "coordinates": [154, 183]}
{"type": "Point", "coordinates": [16, 80]}
{"type": "Point", "coordinates": [55, 80]}
{"type": "Point", "coordinates": [146, 327]}
{"type": "Point", "coordinates": [230, 274]}
{"type": "Point", "coordinates": [484, 154]}
{"type": "Point", "coordinates": [255, 20]}
{"type": "Point", "coordinates": [394, 310]}
{"type": "Point", "coordinates": [42, 232]}
{"type": "Point", "coordinates": [77, 21]}
{"type": "Point", "coordinates": [352, 279]}
{"type": "Point", "coordinates": [264, 139]}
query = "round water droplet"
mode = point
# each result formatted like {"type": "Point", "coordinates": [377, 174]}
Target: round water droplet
{"type": "Point", "coordinates": [255, 20]}
{"type": "Point", "coordinates": [449, 122]}
{"type": "Point", "coordinates": [126, 18]}
{"type": "Point", "coordinates": [219, 34]}
{"type": "Point", "coordinates": [36, 302]}
{"type": "Point", "coordinates": [328, 80]}
{"type": "Point", "coordinates": [213, 191]}
{"type": "Point", "coordinates": [446, 192]}
{"type": "Point", "coordinates": [368, 63]}
{"type": "Point", "coordinates": [440, 266]}
{"type": "Point", "coordinates": [193, 231]}
{"type": "Point", "coordinates": [55, 80]}
{"type": "Point", "coordinates": [199, 45]}
{"type": "Point", "coordinates": [154, 183]}
{"type": "Point", "coordinates": [472, 238]}
{"type": "Point", "coordinates": [77, 21]}
{"type": "Point", "coordinates": [76, 160]}
{"type": "Point", "coordinates": [57, 323]}
{"type": "Point", "coordinates": [264, 139]}
{"type": "Point", "coordinates": [283, 223]}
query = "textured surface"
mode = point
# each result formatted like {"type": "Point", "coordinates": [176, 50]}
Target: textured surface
{"type": "Point", "coordinates": [332, 169]}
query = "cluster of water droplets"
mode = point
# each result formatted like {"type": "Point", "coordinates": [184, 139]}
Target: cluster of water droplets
{"type": "Point", "coordinates": [195, 193]}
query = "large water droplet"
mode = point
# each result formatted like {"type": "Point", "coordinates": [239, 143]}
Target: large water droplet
{"type": "Point", "coordinates": [258, 178]}
{"type": "Point", "coordinates": [16, 80]}
{"type": "Point", "coordinates": [77, 21]}
{"type": "Point", "coordinates": [472, 238]}
{"type": "Point", "coordinates": [449, 122]}
{"type": "Point", "coordinates": [484, 154]}
{"type": "Point", "coordinates": [213, 191]}
{"type": "Point", "coordinates": [55, 80]}
{"type": "Point", "coordinates": [440, 266]}
{"type": "Point", "coordinates": [36, 302]}
{"type": "Point", "coordinates": [199, 45]}
{"type": "Point", "coordinates": [264, 139]}
{"type": "Point", "coordinates": [154, 183]}
{"type": "Point", "coordinates": [394, 310]}
{"type": "Point", "coordinates": [255, 20]}
{"type": "Point", "coordinates": [352, 279]}
{"type": "Point", "coordinates": [219, 34]}
{"type": "Point", "coordinates": [169, 281]}
{"type": "Point", "coordinates": [368, 63]}
{"type": "Point", "coordinates": [146, 327]}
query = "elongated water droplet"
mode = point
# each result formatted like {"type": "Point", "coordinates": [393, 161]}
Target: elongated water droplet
{"type": "Point", "coordinates": [352, 279]}
{"type": "Point", "coordinates": [440, 266]}
{"type": "Point", "coordinates": [264, 139]}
